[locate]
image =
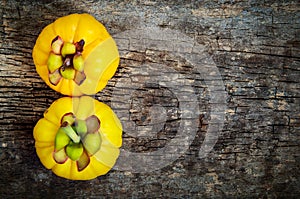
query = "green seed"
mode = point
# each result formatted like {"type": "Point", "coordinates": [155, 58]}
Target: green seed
{"type": "Point", "coordinates": [60, 156]}
{"type": "Point", "coordinates": [67, 72]}
{"type": "Point", "coordinates": [81, 128]}
{"type": "Point", "coordinates": [68, 49]}
{"type": "Point", "coordinates": [61, 139]}
{"type": "Point", "coordinates": [54, 62]}
{"type": "Point", "coordinates": [92, 143]}
{"type": "Point", "coordinates": [74, 151]}
{"type": "Point", "coordinates": [78, 63]}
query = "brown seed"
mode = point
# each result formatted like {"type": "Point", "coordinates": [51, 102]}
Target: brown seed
{"type": "Point", "coordinates": [54, 77]}
{"type": "Point", "coordinates": [79, 78]}
{"type": "Point", "coordinates": [83, 161]}
{"type": "Point", "coordinates": [79, 45]}
{"type": "Point", "coordinates": [93, 124]}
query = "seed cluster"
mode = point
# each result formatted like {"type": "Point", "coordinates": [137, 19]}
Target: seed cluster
{"type": "Point", "coordinates": [65, 61]}
{"type": "Point", "coordinates": [77, 139]}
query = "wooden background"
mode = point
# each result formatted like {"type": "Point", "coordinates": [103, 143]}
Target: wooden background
{"type": "Point", "coordinates": [255, 45]}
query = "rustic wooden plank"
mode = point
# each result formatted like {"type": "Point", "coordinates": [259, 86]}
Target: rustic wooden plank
{"type": "Point", "coordinates": [255, 46]}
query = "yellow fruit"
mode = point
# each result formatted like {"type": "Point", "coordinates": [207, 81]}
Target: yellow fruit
{"type": "Point", "coordinates": [65, 142]}
{"type": "Point", "coordinates": [85, 46]}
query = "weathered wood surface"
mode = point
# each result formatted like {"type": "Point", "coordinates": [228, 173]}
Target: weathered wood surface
{"type": "Point", "coordinates": [256, 48]}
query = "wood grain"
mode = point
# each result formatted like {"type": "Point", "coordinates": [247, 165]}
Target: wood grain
{"type": "Point", "coordinates": [256, 48]}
